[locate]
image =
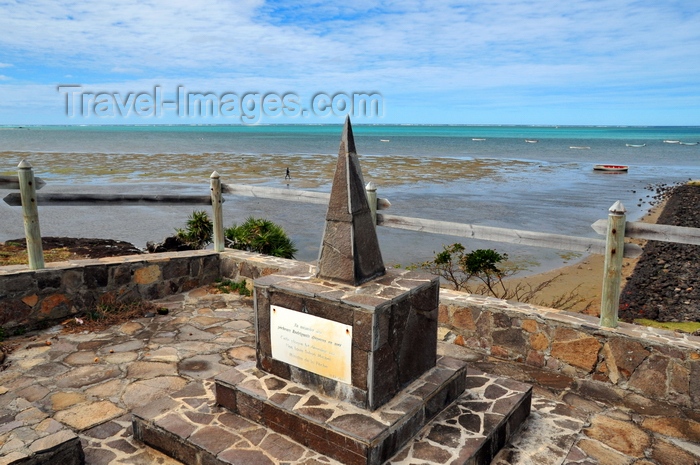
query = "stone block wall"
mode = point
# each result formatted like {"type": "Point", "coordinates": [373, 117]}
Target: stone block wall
{"type": "Point", "coordinates": [646, 369]}
{"type": "Point", "coordinates": [36, 298]}
{"type": "Point", "coordinates": [238, 264]}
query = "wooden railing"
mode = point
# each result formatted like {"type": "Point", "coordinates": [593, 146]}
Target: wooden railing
{"type": "Point", "coordinates": [615, 228]}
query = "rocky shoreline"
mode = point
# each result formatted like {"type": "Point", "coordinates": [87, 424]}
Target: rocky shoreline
{"type": "Point", "coordinates": [665, 284]}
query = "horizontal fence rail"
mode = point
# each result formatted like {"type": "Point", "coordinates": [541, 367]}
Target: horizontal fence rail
{"type": "Point", "coordinates": [15, 199]}
{"type": "Point", "coordinates": [487, 233]}
{"type": "Point", "coordinates": [12, 182]}
{"type": "Point", "coordinates": [655, 232]}
{"type": "Point", "coordinates": [291, 195]}
{"type": "Point", "coordinates": [510, 236]}
{"type": "Point", "coordinates": [276, 193]}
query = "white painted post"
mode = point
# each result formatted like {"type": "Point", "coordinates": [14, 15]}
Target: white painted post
{"type": "Point", "coordinates": [30, 212]}
{"type": "Point", "coordinates": [216, 205]}
{"type": "Point", "coordinates": [371, 190]}
{"type": "Point", "coordinates": [614, 246]}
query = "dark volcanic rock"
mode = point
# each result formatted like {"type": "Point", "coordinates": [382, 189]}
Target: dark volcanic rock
{"type": "Point", "coordinates": [665, 285]}
{"type": "Point", "coordinates": [169, 244]}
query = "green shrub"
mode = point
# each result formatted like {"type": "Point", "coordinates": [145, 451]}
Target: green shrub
{"type": "Point", "coordinates": [462, 269]}
{"type": "Point", "coordinates": [227, 286]}
{"type": "Point", "coordinates": [199, 231]}
{"type": "Point", "coordinates": [484, 271]}
{"type": "Point", "coordinates": [261, 236]}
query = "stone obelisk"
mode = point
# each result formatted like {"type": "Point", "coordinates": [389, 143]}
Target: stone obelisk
{"type": "Point", "coordinates": [350, 249]}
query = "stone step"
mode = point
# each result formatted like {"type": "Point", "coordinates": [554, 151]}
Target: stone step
{"type": "Point", "coordinates": [190, 427]}
{"type": "Point", "coordinates": [338, 429]}
{"type": "Point", "coordinates": [28, 436]}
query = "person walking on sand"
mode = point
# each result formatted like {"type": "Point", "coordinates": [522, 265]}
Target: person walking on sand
{"type": "Point", "coordinates": [288, 175]}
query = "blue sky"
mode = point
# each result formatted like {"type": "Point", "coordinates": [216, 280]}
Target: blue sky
{"type": "Point", "coordinates": [595, 62]}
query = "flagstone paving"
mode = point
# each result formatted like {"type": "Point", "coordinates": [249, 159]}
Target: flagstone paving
{"type": "Point", "coordinates": [60, 388]}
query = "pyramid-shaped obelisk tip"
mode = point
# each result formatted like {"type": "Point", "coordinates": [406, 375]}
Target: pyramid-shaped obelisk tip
{"type": "Point", "coordinates": [350, 249]}
{"type": "Point", "coordinates": [347, 140]}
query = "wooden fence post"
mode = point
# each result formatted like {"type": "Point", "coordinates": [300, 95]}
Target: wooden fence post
{"type": "Point", "coordinates": [371, 190]}
{"type": "Point", "coordinates": [216, 201]}
{"type": "Point", "coordinates": [30, 212]}
{"type": "Point", "coordinates": [614, 246]}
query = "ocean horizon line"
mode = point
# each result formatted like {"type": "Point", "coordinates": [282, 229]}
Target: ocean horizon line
{"type": "Point", "coordinates": [355, 124]}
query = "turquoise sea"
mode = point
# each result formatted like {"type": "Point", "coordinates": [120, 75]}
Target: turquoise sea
{"type": "Point", "coordinates": [486, 175]}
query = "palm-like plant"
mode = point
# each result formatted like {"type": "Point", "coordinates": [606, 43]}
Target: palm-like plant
{"type": "Point", "coordinates": [262, 236]}
{"type": "Point", "coordinates": [199, 231]}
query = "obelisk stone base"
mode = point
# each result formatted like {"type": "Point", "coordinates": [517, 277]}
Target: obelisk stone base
{"type": "Point", "coordinates": [393, 321]}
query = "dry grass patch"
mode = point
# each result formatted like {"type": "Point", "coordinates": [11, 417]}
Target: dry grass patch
{"type": "Point", "coordinates": [15, 254]}
{"type": "Point", "coordinates": [108, 312]}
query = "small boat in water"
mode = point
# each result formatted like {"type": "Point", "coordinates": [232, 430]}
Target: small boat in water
{"type": "Point", "coordinates": [477, 138]}
{"type": "Point", "coordinates": [383, 140]}
{"type": "Point", "coordinates": [610, 167]}
{"type": "Point", "coordinates": [531, 141]}
{"type": "Point", "coordinates": [688, 143]}
{"type": "Point", "coordinates": [672, 142]}
{"type": "Point", "coordinates": [579, 147]}
{"type": "Point", "coordinates": [636, 145]}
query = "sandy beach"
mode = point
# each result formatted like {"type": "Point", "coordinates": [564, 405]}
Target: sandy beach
{"type": "Point", "coordinates": [585, 277]}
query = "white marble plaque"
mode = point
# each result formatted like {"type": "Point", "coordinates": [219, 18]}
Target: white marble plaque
{"type": "Point", "coordinates": [315, 344]}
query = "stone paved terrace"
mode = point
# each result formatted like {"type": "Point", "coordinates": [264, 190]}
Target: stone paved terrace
{"type": "Point", "coordinates": [91, 382]}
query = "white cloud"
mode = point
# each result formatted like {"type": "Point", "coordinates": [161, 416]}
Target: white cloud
{"type": "Point", "coordinates": [4, 78]}
{"type": "Point", "coordinates": [243, 38]}
{"type": "Point", "coordinates": [507, 49]}
{"type": "Point", "coordinates": [156, 35]}
{"type": "Point", "coordinates": [5, 65]}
